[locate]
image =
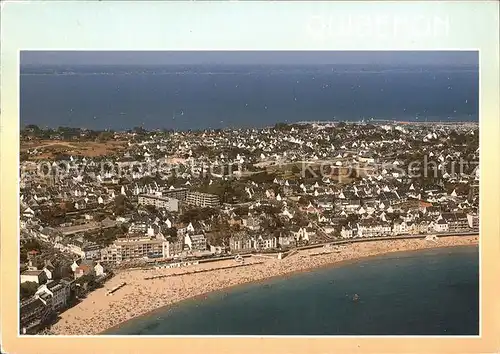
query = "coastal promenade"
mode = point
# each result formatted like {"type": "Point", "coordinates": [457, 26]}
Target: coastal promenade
{"type": "Point", "coordinates": [397, 237]}
{"type": "Point", "coordinates": [99, 312]}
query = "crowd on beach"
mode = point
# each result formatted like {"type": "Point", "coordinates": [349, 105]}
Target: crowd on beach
{"type": "Point", "coordinates": [139, 296]}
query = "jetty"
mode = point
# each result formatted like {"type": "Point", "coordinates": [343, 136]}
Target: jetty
{"type": "Point", "coordinates": [110, 292]}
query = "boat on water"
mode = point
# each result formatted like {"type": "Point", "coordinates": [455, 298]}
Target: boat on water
{"type": "Point", "coordinates": [355, 297]}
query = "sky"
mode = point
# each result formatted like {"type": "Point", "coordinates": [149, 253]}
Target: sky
{"type": "Point", "coordinates": [248, 57]}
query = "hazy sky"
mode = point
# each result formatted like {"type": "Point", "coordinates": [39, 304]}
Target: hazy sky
{"type": "Point", "coordinates": [249, 57]}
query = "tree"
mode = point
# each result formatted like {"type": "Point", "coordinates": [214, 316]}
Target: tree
{"type": "Point", "coordinates": [32, 127]}
{"type": "Point", "coordinates": [32, 245]}
{"type": "Point", "coordinates": [281, 126]}
{"type": "Point", "coordinates": [69, 206]}
{"type": "Point", "coordinates": [241, 211]}
{"type": "Point", "coordinates": [171, 234]}
{"type": "Point", "coordinates": [99, 217]}
{"type": "Point", "coordinates": [28, 289]}
{"type": "Point", "coordinates": [302, 221]}
{"type": "Point", "coordinates": [198, 214]}
{"type": "Point", "coordinates": [352, 218]}
{"type": "Point", "coordinates": [108, 236]}
{"type": "Point", "coordinates": [262, 177]}
{"type": "Point", "coordinates": [218, 237]}
{"type": "Point", "coordinates": [139, 130]}
{"type": "Point", "coordinates": [304, 200]}
{"type": "Point", "coordinates": [104, 136]}
{"type": "Point", "coordinates": [88, 279]}
{"type": "Point", "coordinates": [120, 203]}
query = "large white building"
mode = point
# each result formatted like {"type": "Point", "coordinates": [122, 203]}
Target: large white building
{"type": "Point", "coordinates": [196, 242]}
{"type": "Point", "coordinates": [37, 276]}
{"type": "Point", "coordinates": [138, 246]}
{"type": "Point", "coordinates": [202, 199]}
{"type": "Point", "coordinates": [176, 193]}
{"type": "Point", "coordinates": [157, 201]}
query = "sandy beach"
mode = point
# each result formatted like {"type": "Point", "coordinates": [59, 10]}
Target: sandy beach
{"type": "Point", "coordinates": [99, 312]}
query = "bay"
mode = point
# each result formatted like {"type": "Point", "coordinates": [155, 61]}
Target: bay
{"type": "Point", "coordinates": [429, 292]}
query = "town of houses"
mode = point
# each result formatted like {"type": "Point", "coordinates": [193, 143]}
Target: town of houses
{"type": "Point", "coordinates": [180, 195]}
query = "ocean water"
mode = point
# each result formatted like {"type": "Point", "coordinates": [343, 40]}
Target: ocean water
{"type": "Point", "coordinates": [178, 97]}
{"type": "Point", "coordinates": [428, 292]}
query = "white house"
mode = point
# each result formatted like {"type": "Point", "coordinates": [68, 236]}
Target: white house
{"type": "Point", "coordinates": [265, 243]}
{"type": "Point", "coordinates": [400, 228]}
{"type": "Point", "coordinates": [303, 233]}
{"type": "Point", "coordinates": [195, 242]}
{"type": "Point", "coordinates": [48, 269]}
{"type": "Point", "coordinates": [346, 232]}
{"type": "Point", "coordinates": [29, 213]}
{"type": "Point", "coordinates": [373, 229]}
{"type": "Point", "coordinates": [441, 225]}
{"type": "Point", "coordinates": [37, 276]}
{"type": "Point", "coordinates": [99, 269]}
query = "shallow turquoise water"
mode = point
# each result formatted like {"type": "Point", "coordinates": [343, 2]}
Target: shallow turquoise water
{"type": "Point", "coordinates": [431, 292]}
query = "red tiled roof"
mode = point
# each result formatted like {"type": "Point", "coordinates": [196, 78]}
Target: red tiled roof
{"type": "Point", "coordinates": [83, 268]}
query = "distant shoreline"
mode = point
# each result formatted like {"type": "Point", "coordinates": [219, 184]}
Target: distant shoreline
{"type": "Point", "coordinates": [423, 122]}
{"type": "Point", "coordinates": [99, 314]}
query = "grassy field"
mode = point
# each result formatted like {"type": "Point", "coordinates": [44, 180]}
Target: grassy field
{"type": "Point", "coordinates": [49, 148]}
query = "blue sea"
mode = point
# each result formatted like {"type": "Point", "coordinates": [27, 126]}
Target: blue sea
{"type": "Point", "coordinates": [428, 292]}
{"type": "Point", "coordinates": [214, 96]}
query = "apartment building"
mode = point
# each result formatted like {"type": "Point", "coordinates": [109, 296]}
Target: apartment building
{"type": "Point", "coordinates": [240, 242]}
{"type": "Point", "coordinates": [170, 204]}
{"type": "Point", "coordinates": [202, 199]}
{"type": "Point", "coordinates": [196, 242]}
{"type": "Point", "coordinates": [176, 193]}
{"type": "Point", "coordinates": [33, 312]}
{"type": "Point", "coordinates": [58, 290]}
{"type": "Point", "coordinates": [128, 248]}
{"type": "Point", "coordinates": [171, 249]}
{"type": "Point", "coordinates": [457, 222]}
{"type": "Point", "coordinates": [111, 254]}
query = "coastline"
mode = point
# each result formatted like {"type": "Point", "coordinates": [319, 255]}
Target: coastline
{"type": "Point", "coordinates": [162, 309]}
{"type": "Point", "coordinates": [100, 314]}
